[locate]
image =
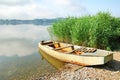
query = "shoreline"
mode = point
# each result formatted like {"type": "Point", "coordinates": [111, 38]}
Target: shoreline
{"type": "Point", "coordinates": [109, 71]}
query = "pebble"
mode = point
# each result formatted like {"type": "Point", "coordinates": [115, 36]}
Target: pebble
{"type": "Point", "coordinates": [109, 71]}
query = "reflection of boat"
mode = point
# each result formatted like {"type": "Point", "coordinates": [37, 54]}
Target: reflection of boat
{"type": "Point", "coordinates": [76, 54]}
{"type": "Point", "coordinates": [56, 63]}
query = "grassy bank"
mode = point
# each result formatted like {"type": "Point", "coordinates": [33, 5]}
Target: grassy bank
{"type": "Point", "coordinates": [101, 30]}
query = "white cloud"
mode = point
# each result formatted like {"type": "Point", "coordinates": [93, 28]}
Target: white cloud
{"type": "Point", "coordinates": [30, 9]}
{"type": "Point", "coordinates": [14, 2]}
{"type": "Point", "coordinates": [61, 2]}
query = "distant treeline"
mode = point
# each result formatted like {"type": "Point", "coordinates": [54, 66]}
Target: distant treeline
{"type": "Point", "coordinates": [101, 31]}
{"type": "Point", "coordinates": [35, 21]}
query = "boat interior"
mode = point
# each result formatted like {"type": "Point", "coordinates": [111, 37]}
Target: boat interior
{"type": "Point", "coordinates": [68, 48]}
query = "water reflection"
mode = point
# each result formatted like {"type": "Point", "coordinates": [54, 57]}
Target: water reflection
{"type": "Point", "coordinates": [20, 47]}
{"type": "Point", "coordinates": [56, 63]}
{"type": "Point", "coordinates": [21, 40]}
{"type": "Point", "coordinates": [23, 68]}
{"type": "Point", "coordinates": [31, 32]}
{"type": "Point", "coordinates": [19, 57]}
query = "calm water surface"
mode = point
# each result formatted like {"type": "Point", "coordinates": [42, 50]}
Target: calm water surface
{"type": "Point", "coordinates": [19, 54]}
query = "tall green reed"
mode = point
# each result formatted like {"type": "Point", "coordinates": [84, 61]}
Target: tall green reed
{"type": "Point", "coordinates": [93, 31]}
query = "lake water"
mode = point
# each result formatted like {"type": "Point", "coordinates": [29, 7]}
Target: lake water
{"type": "Point", "coordinates": [19, 55]}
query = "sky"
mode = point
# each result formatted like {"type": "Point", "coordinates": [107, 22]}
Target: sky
{"type": "Point", "coordinates": [33, 9]}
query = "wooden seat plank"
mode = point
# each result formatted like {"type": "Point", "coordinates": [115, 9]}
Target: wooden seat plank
{"type": "Point", "coordinates": [63, 47]}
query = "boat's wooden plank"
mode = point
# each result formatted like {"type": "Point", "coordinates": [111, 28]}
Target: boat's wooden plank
{"type": "Point", "coordinates": [69, 52]}
{"type": "Point", "coordinates": [86, 50]}
{"type": "Point", "coordinates": [45, 43]}
{"type": "Point", "coordinates": [52, 43]}
{"type": "Point", "coordinates": [64, 47]}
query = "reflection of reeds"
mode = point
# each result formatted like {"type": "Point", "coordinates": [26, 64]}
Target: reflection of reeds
{"type": "Point", "coordinates": [100, 30]}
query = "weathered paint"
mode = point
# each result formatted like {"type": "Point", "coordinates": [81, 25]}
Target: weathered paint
{"type": "Point", "coordinates": [97, 59]}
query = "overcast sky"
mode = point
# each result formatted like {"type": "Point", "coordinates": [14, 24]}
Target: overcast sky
{"type": "Point", "coordinates": [32, 9]}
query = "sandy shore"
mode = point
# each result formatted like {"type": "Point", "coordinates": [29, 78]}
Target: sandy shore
{"type": "Point", "coordinates": [109, 71]}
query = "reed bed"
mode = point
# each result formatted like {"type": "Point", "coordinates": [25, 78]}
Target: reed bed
{"type": "Point", "coordinates": [99, 31]}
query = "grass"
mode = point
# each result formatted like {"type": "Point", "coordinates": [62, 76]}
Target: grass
{"type": "Point", "coordinates": [99, 31]}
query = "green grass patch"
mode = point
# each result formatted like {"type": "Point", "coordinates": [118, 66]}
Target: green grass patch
{"type": "Point", "coordinates": [99, 31]}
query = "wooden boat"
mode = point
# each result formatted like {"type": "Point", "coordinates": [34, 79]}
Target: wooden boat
{"type": "Point", "coordinates": [76, 54]}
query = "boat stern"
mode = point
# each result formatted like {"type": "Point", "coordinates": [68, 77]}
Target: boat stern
{"type": "Point", "coordinates": [108, 58]}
